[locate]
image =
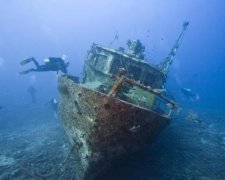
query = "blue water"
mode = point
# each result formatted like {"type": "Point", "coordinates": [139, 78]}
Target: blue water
{"type": "Point", "coordinates": [32, 140]}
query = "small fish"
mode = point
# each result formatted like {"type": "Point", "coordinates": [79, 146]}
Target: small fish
{"type": "Point", "coordinates": [116, 36]}
{"type": "Point", "coordinates": [134, 128]}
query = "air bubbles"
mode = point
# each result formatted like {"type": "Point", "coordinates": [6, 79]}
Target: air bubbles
{"type": "Point", "coordinates": [33, 79]}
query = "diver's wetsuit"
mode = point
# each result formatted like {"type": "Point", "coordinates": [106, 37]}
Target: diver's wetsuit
{"type": "Point", "coordinates": [189, 94]}
{"type": "Point", "coordinates": [54, 64]}
{"type": "Point", "coordinates": [53, 103]}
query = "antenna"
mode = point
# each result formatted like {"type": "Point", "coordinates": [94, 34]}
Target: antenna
{"type": "Point", "coordinates": [169, 59]}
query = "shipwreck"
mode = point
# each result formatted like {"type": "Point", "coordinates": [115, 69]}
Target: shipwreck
{"type": "Point", "coordinates": [119, 106]}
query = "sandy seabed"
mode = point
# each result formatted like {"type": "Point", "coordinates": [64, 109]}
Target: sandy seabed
{"type": "Point", "coordinates": [38, 149]}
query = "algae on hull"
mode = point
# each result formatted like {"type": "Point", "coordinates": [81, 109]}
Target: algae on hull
{"type": "Point", "coordinates": [104, 129]}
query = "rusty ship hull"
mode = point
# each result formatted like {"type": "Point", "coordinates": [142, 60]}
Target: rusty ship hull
{"type": "Point", "coordinates": [117, 108]}
{"type": "Point", "coordinates": [102, 128]}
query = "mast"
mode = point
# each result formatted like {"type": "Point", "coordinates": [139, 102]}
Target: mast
{"type": "Point", "coordinates": [169, 59]}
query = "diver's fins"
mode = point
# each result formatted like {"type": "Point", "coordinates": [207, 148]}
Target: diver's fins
{"type": "Point", "coordinates": [25, 61]}
{"type": "Point", "coordinates": [25, 72]}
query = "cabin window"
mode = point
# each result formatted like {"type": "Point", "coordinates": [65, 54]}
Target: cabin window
{"type": "Point", "coordinates": [149, 80]}
{"type": "Point", "coordinates": [100, 62]}
{"type": "Point", "coordinates": [116, 64]}
{"type": "Point", "coordinates": [134, 72]}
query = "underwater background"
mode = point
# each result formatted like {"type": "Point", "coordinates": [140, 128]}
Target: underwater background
{"type": "Point", "coordinates": [33, 144]}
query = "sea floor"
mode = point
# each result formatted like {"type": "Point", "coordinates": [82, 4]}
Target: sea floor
{"type": "Point", "coordinates": [37, 148]}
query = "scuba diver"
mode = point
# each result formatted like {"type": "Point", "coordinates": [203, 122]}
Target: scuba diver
{"type": "Point", "coordinates": [54, 105]}
{"type": "Point", "coordinates": [190, 94]}
{"type": "Point", "coordinates": [32, 91]}
{"type": "Point", "coordinates": [51, 64]}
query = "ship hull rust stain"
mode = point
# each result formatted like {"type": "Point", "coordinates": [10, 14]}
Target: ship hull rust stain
{"type": "Point", "coordinates": [101, 128]}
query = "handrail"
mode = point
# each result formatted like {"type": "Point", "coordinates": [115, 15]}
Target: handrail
{"type": "Point", "coordinates": [157, 92]}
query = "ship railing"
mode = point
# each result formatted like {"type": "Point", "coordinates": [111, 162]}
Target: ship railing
{"type": "Point", "coordinates": [158, 92]}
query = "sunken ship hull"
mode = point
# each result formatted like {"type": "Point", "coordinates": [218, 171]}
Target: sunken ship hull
{"type": "Point", "coordinates": [102, 129]}
{"type": "Point", "coordinates": [119, 106]}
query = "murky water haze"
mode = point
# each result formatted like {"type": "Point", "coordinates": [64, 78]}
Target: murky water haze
{"type": "Point", "coordinates": [32, 141]}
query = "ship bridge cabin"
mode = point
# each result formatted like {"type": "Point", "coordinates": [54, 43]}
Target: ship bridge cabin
{"type": "Point", "coordinates": [102, 65]}
{"type": "Point", "coordinates": [107, 61]}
